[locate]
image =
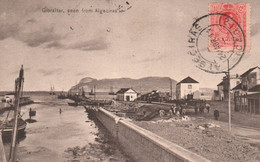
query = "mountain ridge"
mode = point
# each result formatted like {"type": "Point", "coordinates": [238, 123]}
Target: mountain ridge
{"type": "Point", "coordinates": [145, 84]}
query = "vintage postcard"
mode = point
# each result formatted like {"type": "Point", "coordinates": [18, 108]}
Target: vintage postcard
{"type": "Point", "coordinates": [125, 80]}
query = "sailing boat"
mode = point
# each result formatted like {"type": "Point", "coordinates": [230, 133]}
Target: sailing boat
{"type": "Point", "coordinates": [8, 124]}
{"type": "Point", "coordinates": [62, 95]}
{"type": "Point", "coordinates": [93, 91]}
{"type": "Point", "coordinates": [16, 125]}
{"type": "Point", "coordinates": [8, 128]}
{"type": "Point", "coordinates": [52, 90]}
{"type": "Point", "coordinates": [111, 91]}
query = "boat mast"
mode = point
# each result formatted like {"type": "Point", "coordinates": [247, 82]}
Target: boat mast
{"type": "Point", "coordinates": [171, 89]}
{"type": "Point", "coordinates": [51, 90]}
{"type": "Point", "coordinates": [2, 150]}
{"type": "Point", "coordinates": [94, 92]}
{"type": "Point", "coordinates": [18, 87]}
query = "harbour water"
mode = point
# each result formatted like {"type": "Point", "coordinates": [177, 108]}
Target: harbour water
{"type": "Point", "coordinates": [71, 135]}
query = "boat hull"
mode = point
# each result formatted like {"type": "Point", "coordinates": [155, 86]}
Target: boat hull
{"type": "Point", "coordinates": [73, 104]}
{"type": "Point", "coordinates": [7, 132]}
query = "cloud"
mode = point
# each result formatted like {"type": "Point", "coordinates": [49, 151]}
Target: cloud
{"type": "Point", "coordinates": [35, 39]}
{"type": "Point", "coordinates": [7, 31]}
{"type": "Point", "coordinates": [95, 44]}
{"type": "Point", "coordinates": [82, 73]}
{"type": "Point", "coordinates": [31, 20]}
{"type": "Point", "coordinates": [152, 59]}
{"type": "Point", "coordinates": [55, 44]}
{"type": "Point", "coordinates": [57, 57]}
{"type": "Point", "coordinates": [29, 31]}
{"type": "Point", "coordinates": [45, 72]}
{"type": "Point", "coordinates": [24, 22]}
{"type": "Point", "coordinates": [90, 45]}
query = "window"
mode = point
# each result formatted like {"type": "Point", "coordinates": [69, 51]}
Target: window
{"type": "Point", "coordinates": [189, 86]}
{"type": "Point", "coordinates": [252, 80]}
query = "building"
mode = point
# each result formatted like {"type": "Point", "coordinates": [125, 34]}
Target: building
{"type": "Point", "coordinates": [187, 87]}
{"type": "Point", "coordinates": [9, 98]}
{"type": "Point", "coordinates": [222, 92]}
{"type": "Point", "coordinates": [247, 94]}
{"type": "Point", "coordinates": [126, 94]}
{"type": "Point", "coordinates": [219, 94]}
{"type": "Point", "coordinates": [156, 96]}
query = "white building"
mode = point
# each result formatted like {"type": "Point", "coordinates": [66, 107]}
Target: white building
{"type": "Point", "coordinates": [126, 94]}
{"type": "Point", "coordinates": [187, 86]}
{"type": "Point", "coordinates": [10, 97]}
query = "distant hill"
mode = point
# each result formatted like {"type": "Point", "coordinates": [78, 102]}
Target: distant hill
{"type": "Point", "coordinates": [206, 93]}
{"type": "Point", "coordinates": [143, 85]}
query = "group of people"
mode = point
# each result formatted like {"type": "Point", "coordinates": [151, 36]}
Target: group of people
{"type": "Point", "coordinates": [179, 109]}
{"type": "Point", "coordinates": [201, 106]}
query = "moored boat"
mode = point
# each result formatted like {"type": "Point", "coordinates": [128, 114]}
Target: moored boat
{"type": "Point", "coordinates": [62, 96]}
{"type": "Point", "coordinates": [72, 103]}
{"type": "Point", "coordinates": [52, 90]}
{"type": "Point", "coordinates": [7, 128]}
{"type": "Point", "coordinates": [111, 92]}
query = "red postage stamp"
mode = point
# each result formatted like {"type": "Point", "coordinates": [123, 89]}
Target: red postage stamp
{"type": "Point", "coordinates": [227, 32]}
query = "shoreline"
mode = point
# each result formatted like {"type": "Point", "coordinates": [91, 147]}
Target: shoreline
{"type": "Point", "coordinates": [133, 139]}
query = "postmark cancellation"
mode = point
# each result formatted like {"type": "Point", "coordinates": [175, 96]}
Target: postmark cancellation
{"type": "Point", "coordinates": [217, 41]}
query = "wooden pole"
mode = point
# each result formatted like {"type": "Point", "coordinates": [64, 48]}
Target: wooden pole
{"type": "Point", "coordinates": [171, 88]}
{"type": "Point", "coordinates": [94, 92]}
{"type": "Point", "coordinates": [18, 86]}
{"type": "Point", "coordinates": [229, 107]}
{"type": "Point", "coordinates": [2, 150]}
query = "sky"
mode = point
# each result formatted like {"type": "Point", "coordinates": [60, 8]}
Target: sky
{"type": "Point", "coordinates": [148, 39]}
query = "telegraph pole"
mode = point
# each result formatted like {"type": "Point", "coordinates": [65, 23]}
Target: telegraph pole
{"type": "Point", "coordinates": [171, 88]}
{"type": "Point", "coordinates": [229, 100]}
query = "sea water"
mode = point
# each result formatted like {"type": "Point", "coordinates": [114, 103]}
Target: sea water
{"type": "Point", "coordinates": [66, 135]}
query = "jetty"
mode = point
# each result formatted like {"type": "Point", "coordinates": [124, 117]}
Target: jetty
{"type": "Point", "coordinates": [4, 106]}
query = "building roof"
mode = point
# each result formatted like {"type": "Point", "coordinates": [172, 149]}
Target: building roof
{"type": "Point", "coordinates": [123, 90]}
{"type": "Point", "coordinates": [239, 86]}
{"type": "Point", "coordinates": [255, 89]}
{"type": "Point", "coordinates": [188, 80]}
{"type": "Point", "coordinates": [248, 71]}
{"type": "Point", "coordinates": [220, 84]}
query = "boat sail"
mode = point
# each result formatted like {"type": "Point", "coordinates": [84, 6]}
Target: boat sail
{"type": "Point", "coordinates": [52, 90]}
{"type": "Point", "coordinates": [93, 91]}
{"type": "Point", "coordinates": [111, 92]}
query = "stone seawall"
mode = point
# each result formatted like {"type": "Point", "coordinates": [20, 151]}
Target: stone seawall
{"type": "Point", "coordinates": [143, 145]}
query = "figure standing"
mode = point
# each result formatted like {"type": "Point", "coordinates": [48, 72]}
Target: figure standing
{"type": "Point", "coordinates": [216, 114]}
{"type": "Point", "coordinates": [171, 114]}
{"type": "Point", "coordinates": [207, 107]}
{"type": "Point", "coordinates": [183, 111]}
{"type": "Point", "coordinates": [196, 108]}
{"type": "Point", "coordinates": [161, 112]}
{"type": "Point", "coordinates": [30, 113]}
